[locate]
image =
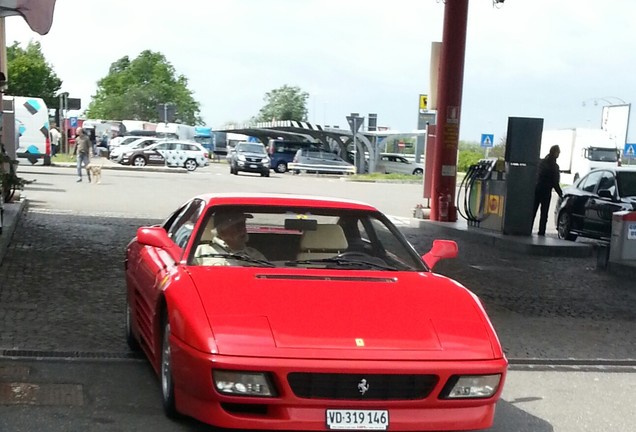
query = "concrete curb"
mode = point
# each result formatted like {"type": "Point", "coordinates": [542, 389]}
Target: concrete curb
{"type": "Point", "coordinates": [109, 166]}
{"type": "Point", "coordinates": [11, 216]}
{"type": "Point", "coordinates": [545, 246]}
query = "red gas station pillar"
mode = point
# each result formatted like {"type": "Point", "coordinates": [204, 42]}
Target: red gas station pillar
{"type": "Point", "coordinates": [449, 90]}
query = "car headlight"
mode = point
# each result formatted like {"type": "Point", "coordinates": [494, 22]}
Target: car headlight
{"type": "Point", "coordinates": [471, 386]}
{"type": "Point", "coordinates": [241, 157]}
{"type": "Point", "coordinates": [265, 161]}
{"type": "Point", "coordinates": [240, 383]}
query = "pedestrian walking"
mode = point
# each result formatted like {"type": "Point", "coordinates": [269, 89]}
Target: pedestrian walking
{"type": "Point", "coordinates": [548, 178]}
{"type": "Point", "coordinates": [55, 136]}
{"type": "Point", "coordinates": [83, 149]}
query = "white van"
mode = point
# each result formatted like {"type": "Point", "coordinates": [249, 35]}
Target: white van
{"type": "Point", "coordinates": [32, 127]}
{"type": "Point", "coordinates": [175, 131]}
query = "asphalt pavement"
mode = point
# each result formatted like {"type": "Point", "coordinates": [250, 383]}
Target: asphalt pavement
{"type": "Point", "coordinates": [62, 300]}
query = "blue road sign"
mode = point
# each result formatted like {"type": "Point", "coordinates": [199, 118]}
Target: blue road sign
{"type": "Point", "coordinates": [487, 140]}
{"type": "Point", "coordinates": [629, 151]}
{"type": "Point", "coordinates": [73, 122]}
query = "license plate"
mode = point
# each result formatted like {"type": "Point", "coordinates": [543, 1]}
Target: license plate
{"type": "Point", "coordinates": [358, 419]}
{"type": "Point", "coordinates": [253, 166]}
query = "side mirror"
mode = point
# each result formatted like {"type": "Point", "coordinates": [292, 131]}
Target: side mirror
{"type": "Point", "coordinates": [441, 249]}
{"type": "Point", "coordinates": [605, 193]}
{"type": "Point", "coordinates": [157, 237]}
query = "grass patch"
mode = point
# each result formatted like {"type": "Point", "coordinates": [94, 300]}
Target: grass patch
{"type": "Point", "coordinates": [380, 176]}
{"type": "Point", "coordinates": [397, 177]}
{"type": "Point", "coordinates": [63, 157]}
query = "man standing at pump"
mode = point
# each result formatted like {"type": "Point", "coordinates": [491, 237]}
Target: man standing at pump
{"type": "Point", "coordinates": [548, 178]}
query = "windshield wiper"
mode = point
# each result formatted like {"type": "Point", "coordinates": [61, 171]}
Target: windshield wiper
{"type": "Point", "coordinates": [238, 257]}
{"type": "Point", "coordinates": [342, 262]}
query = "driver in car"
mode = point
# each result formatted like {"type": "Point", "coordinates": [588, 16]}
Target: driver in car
{"type": "Point", "coordinates": [230, 237]}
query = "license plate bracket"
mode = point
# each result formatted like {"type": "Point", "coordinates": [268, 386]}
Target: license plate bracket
{"type": "Point", "coordinates": [356, 419]}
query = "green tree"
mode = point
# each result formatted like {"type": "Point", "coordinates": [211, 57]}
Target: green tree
{"type": "Point", "coordinates": [133, 89]}
{"type": "Point", "coordinates": [30, 74]}
{"type": "Point", "coordinates": [468, 158]}
{"type": "Point", "coordinates": [284, 103]}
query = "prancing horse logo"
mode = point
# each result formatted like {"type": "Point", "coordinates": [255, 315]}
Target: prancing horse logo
{"type": "Point", "coordinates": [363, 387]}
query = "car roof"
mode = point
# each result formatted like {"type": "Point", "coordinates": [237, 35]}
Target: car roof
{"type": "Point", "coordinates": [274, 200]}
{"type": "Point", "coordinates": [615, 169]}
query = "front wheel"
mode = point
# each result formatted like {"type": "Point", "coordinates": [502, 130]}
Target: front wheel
{"type": "Point", "coordinates": [167, 385]}
{"type": "Point", "coordinates": [133, 344]}
{"type": "Point", "coordinates": [139, 161]}
{"type": "Point", "coordinates": [281, 167]}
{"type": "Point", "coordinates": [418, 172]}
{"type": "Point", "coordinates": [564, 226]}
{"type": "Point", "coordinates": [190, 164]}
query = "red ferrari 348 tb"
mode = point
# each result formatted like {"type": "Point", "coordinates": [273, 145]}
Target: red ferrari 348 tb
{"type": "Point", "coordinates": [288, 312]}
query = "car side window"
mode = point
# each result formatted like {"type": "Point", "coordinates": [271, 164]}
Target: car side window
{"type": "Point", "coordinates": [608, 182]}
{"type": "Point", "coordinates": [589, 183]}
{"type": "Point", "coordinates": [183, 225]}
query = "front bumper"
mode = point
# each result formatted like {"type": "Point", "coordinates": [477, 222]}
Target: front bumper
{"type": "Point", "coordinates": [196, 396]}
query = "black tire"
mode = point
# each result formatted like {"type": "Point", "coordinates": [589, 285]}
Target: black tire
{"type": "Point", "coordinates": [265, 173]}
{"type": "Point", "coordinates": [564, 226]}
{"type": "Point", "coordinates": [281, 167]}
{"type": "Point", "coordinates": [418, 172]}
{"type": "Point", "coordinates": [133, 343]}
{"type": "Point", "coordinates": [190, 164]}
{"type": "Point", "coordinates": [139, 161]}
{"type": "Point", "coordinates": [167, 385]}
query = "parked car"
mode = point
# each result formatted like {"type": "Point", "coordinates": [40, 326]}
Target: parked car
{"type": "Point", "coordinates": [122, 141]}
{"type": "Point", "coordinates": [321, 162]}
{"type": "Point", "coordinates": [140, 143]}
{"type": "Point", "coordinates": [342, 325]}
{"type": "Point", "coordinates": [186, 154]}
{"type": "Point", "coordinates": [390, 163]}
{"type": "Point", "coordinates": [586, 208]}
{"type": "Point", "coordinates": [282, 152]}
{"type": "Point", "coordinates": [250, 157]}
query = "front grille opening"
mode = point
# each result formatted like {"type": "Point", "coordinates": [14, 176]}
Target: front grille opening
{"type": "Point", "coordinates": [235, 408]}
{"type": "Point", "coordinates": [361, 386]}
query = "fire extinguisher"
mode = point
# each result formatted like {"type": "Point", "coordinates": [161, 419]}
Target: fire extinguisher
{"type": "Point", "coordinates": [444, 203]}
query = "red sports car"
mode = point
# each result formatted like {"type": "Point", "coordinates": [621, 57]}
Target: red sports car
{"type": "Point", "coordinates": [284, 312]}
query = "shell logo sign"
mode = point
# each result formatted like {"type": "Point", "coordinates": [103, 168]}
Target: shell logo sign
{"type": "Point", "coordinates": [495, 204]}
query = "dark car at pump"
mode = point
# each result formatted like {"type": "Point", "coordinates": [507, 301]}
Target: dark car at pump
{"type": "Point", "coordinates": [586, 208]}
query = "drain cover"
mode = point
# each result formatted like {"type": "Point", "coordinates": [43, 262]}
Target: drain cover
{"type": "Point", "coordinates": [41, 394]}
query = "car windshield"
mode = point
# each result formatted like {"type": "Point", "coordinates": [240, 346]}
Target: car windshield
{"type": "Point", "coordinates": [602, 154]}
{"type": "Point", "coordinates": [626, 183]}
{"type": "Point", "coordinates": [303, 237]}
{"type": "Point", "coordinates": [250, 148]}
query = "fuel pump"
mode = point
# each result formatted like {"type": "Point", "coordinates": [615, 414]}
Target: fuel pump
{"type": "Point", "coordinates": [498, 194]}
{"type": "Point", "coordinates": [477, 190]}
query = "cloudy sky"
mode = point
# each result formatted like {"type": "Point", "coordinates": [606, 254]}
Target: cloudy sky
{"type": "Point", "coordinates": [539, 58]}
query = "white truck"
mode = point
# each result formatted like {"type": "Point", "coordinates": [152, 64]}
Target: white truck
{"type": "Point", "coordinates": [175, 131]}
{"type": "Point", "coordinates": [582, 150]}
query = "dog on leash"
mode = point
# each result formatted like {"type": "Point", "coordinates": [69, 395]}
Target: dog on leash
{"type": "Point", "coordinates": [94, 172]}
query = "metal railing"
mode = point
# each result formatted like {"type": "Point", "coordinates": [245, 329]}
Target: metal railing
{"type": "Point", "coordinates": [295, 167]}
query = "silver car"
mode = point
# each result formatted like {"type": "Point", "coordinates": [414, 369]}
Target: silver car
{"type": "Point", "coordinates": [390, 163]}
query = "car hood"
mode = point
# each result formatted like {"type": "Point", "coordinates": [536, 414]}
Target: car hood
{"type": "Point", "coordinates": [252, 154]}
{"type": "Point", "coordinates": [336, 314]}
